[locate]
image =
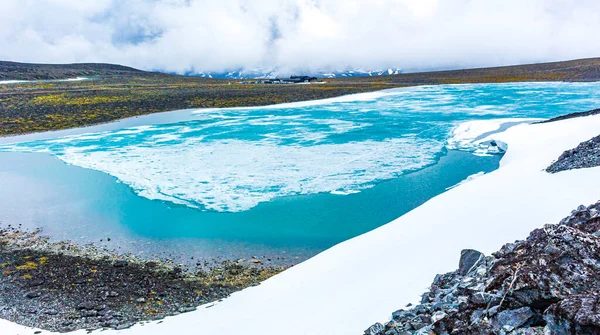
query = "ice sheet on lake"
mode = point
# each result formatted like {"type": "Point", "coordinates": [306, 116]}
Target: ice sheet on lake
{"type": "Point", "coordinates": [234, 175]}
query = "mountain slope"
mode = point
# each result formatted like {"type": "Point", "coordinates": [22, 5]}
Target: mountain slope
{"type": "Point", "coordinates": [25, 71]}
{"type": "Point", "coordinates": [573, 70]}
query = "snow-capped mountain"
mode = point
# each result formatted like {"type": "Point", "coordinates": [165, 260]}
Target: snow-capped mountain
{"type": "Point", "coordinates": [275, 73]}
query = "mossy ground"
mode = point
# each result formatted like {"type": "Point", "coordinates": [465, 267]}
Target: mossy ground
{"type": "Point", "coordinates": [60, 286]}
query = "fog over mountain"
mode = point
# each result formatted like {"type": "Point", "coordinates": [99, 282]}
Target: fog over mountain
{"type": "Point", "coordinates": [191, 36]}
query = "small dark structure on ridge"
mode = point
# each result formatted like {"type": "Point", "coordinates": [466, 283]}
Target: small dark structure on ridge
{"type": "Point", "coordinates": [291, 80]}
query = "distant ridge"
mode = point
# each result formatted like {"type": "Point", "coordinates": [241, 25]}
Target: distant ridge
{"type": "Point", "coordinates": [573, 70]}
{"type": "Point", "coordinates": [587, 69]}
{"type": "Point", "coordinates": [274, 73]}
{"type": "Point", "coordinates": [26, 71]}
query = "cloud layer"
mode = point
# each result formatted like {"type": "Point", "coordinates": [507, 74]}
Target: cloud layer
{"type": "Point", "coordinates": [219, 35]}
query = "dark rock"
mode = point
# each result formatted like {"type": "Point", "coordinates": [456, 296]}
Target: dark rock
{"type": "Point", "coordinates": [403, 315]}
{"type": "Point", "coordinates": [571, 116]}
{"type": "Point", "coordinates": [124, 326]}
{"type": "Point", "coordinates": [376, 329]}
{"type": "Point", "coordinates": [511, 319]}
{"type": "Point", "coordinates": [469, 260]}
{"type": "Point", "coordinates": [579, 314]}
{"type": "Point", "coordinates": [186, 309]}
{"type": "Point", "coordinates": [36, 282]}
{"type": "Point", "coordinates": [33, 294]}
{"type": "Point", "coordinates": [112, 294]}
{"type": "Point", "coordinates": [120, 264]}
{"type": "Point", "coordinates": [417, 324]}
{"type": "Point", "coordinates": [89, 313]}
{"type": "Point", "coordinates": [86, 306]}
{"type": "Point", "coordinates": [421, 309]}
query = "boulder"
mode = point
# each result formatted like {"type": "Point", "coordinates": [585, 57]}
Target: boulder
{"type": "Point", "coordinates": [469, 260]}
{"type": "Point", "coordinates": [376, 329]}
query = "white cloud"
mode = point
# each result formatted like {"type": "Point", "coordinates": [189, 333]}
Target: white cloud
{"type": "Point", "coordinates": [215, 35]}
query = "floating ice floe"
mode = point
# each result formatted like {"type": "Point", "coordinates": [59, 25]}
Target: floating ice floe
{"type": "Point", "coordinates": [478, 136]}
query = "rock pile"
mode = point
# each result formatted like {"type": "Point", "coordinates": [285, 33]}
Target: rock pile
{"type": "Point", "coordinates": [585, 155]}
{"type": "Point", "coordinates": [546, 284]}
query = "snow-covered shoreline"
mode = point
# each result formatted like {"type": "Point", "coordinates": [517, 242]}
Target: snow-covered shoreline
{"type": "Point", "coordinates": [348, 287]}
{"type": "Point", "coordinates": [9, 82]}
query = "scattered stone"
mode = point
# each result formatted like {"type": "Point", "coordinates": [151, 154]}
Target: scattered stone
{"type": "Point", "coordinates": [120, 264]}
{"type": "Point", "coordinates": [124, 326]}
{"type": "Point", "coordinates": [186, 309]}
{"type": "Point", "coordinates": [112, 294]}
{"type": "Point", "coordinates": [85, 305]}
{"type": "Point", "coordinates": [36, 282]}
{"type": "Point", "coordinates": [33, 294]}
{"type": "Point", "coordinates": [512, 319]}
{"type": "Point", "coordinates": [376, 329]}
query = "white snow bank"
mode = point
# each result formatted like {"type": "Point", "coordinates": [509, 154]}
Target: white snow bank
{"type": "Point", "coordinates": [361, 281]}
{"type": "Point", "coordinates": [475, 136]}
{"type": "Point", "coordinates": [8, 82]}
{"type": "Point", "coordinates": [369, 96]}
{"type": "Point", "coordinates": [466, 180]}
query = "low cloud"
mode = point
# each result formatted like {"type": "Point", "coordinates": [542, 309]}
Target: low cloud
{"type": "Point", "coordinates": [193, 35]}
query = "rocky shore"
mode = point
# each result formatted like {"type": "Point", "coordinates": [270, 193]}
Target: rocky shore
{"type": "Point", "coordinates": [64, 287]}
{"type": "Point", "coordinates": [546, 284]}
{"type": "Point", "coordinates": [585, 155]}
{"type": "Point", "coordinates": [572, 116]}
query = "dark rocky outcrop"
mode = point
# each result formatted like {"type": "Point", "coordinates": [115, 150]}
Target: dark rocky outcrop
{"type": "Point", "coordinates": [585, 155]}
{"type": "Point", "coordinates": [571, 116]}
{"type": "Point", "coordinates": [546, 284]}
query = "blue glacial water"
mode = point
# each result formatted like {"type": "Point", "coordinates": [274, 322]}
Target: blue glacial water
{"type": "Point", "coordinates": [229, 182]}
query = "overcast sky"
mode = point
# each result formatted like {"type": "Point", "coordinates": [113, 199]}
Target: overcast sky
{"type": "Point", "coordinates": [219, 35]}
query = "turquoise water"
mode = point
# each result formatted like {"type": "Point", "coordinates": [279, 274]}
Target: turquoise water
{"type": "Point", "coordinates": [297, 178]}
{"type": "Point", "coordinates": [78, 204]}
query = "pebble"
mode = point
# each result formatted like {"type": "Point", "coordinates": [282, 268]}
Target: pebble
{"type": "Point", "coordinates": [120, 264]}
{"type": "Point", "coordinates": [33, 294]}
{"type": "Point", "coordinates": [85, 305]}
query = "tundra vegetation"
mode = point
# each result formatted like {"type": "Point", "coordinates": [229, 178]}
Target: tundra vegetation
{"type": "Point", "coordinates": [115, 92]}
